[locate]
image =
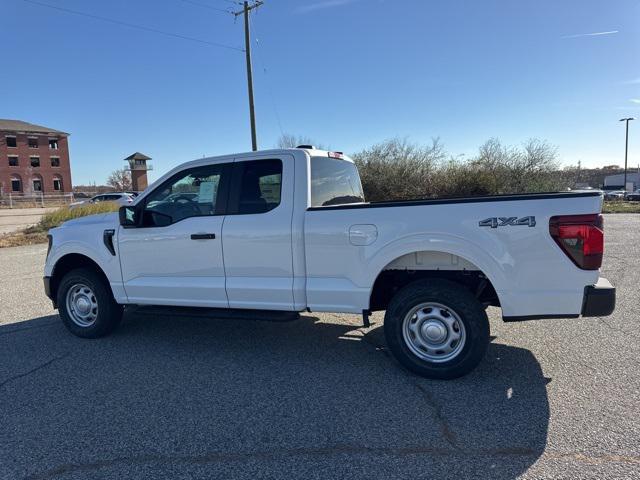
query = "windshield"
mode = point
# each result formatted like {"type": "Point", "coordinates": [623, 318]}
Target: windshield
{"type": "Point", "coordinates": [334, 182]}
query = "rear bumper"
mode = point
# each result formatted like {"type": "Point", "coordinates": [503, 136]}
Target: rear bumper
{"type": "Point", "coordinates": [599, 299]}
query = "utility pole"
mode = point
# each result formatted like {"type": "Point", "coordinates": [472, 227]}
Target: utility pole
{"type": "Point", "coordinates": [626, 148]}
{"type": "Point", "coordinates": [247, 41]}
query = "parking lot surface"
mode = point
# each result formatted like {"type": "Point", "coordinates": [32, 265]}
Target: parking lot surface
{"type": "Point", "coordinates": [170, 396]}
{"type": "Point", "coordinates": [12, 219]}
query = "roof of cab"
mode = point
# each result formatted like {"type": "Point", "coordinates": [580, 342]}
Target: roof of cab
{"type": "Point", "coordinates": [312, 152]}
{"type": "Point", "coordinates": [231, 157]}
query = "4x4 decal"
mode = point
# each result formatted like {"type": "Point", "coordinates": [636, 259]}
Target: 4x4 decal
{"type": "Point", "coordinates": [495, 222]}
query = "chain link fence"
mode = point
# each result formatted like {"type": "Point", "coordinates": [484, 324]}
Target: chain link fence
{"type": "Point", "coordinates": [34, 200]}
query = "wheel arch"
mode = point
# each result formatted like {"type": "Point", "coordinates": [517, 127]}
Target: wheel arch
{"type": "Point", "coordinates": [70, 262]}
{"type": "Point", "coordinates": [399, 271]}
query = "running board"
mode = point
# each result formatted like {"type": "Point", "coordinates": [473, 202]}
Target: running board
{"type": "Point", "coordinates": [217, 313]}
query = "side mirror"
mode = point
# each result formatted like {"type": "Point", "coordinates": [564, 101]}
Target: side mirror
{"type": "Point", "coordinates": [129, 216]}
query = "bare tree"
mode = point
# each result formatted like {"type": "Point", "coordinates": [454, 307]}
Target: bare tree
{"type": "Point", "coordinates": [287, 140]}
{"type": "Point", "coordinates": [397, 169]}
{"type": "Point", "coordinates": [531, 168]}
{"type": "Point", "coordinates": [120, 180]}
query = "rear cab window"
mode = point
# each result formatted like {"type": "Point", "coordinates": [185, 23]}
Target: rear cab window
{"type": "Point", "coordinates": [257, 187]}
{"type": "Point", "coordinates": [334, 182]}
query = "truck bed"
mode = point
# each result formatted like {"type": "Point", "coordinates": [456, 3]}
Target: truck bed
{"type": "Point", "coordinates": [527, 269]}
{"type": "Point", "coordinates": [450, 200]}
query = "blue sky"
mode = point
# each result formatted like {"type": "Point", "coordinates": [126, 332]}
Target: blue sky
{"type": "Point", "coordinates": [347, 73]}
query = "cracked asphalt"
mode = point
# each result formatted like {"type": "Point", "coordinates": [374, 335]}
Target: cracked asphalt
{"type": "Point", "coordinates": [172, 396]}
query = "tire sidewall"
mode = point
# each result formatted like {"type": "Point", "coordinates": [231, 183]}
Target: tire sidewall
{"type": "Point", "coordinates": [109, 312]}
{"type": "Point", "coordinates": [458, 299]}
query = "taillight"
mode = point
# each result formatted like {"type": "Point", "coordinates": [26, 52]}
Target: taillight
{"type": "Point", "coordinates": [581, 237]}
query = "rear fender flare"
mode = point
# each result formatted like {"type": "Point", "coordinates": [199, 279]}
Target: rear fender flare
{"type": "Point", "coordinates": [495, 271]}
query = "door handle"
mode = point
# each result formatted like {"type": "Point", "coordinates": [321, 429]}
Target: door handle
{"type": "Point", "coordinates": [203, 236]}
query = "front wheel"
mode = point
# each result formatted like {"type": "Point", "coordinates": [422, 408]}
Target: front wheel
{"type": "Point", "coordinates": [86, 305]}
{"type": "Point", "coordinates": [437, 329]}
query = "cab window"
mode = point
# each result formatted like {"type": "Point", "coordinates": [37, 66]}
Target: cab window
{"type": "Point", "coordinates": [191, 193]}
{"type": "Point", "coordinates": [257, 187]}
{"type": "Point", "coordinates": [334, 182]}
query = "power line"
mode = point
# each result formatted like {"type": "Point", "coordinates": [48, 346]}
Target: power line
{"type": "Point", "coordinates": [133, 25]}
{"type": "Point", "coordinates": [233, 2]}
{"type": "Point", "coordinates": [268, 82]}
{"type": "Point", "coordinates": [204, 5]}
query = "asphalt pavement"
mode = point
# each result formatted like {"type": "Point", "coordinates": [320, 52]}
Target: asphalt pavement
{"type": "Point", "coordinates": [12, 219]}
{"type": "Point", "coordinates": [171, 396]}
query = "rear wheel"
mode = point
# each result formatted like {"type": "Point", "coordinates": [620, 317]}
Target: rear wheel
{"type": "Point", "coordinates": [86, 305]}
{"type": "Point", "coordinates": [437, 329]}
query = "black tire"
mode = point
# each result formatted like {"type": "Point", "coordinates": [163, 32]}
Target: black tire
{"type": "Point", "coordinates": [455, 298]}
{"type": "Point", "coordinates": [108, 312]}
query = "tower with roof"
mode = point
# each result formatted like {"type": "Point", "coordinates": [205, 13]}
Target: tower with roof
{"type": "Point", "coordinates": [138, 167]}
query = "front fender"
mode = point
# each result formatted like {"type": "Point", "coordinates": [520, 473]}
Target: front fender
{"type": "Point", "coordinates": [95, 250]}
{"type": "Point", "coordinates": [79, 248]}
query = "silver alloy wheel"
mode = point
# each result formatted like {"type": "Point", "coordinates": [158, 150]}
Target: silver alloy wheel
{"type": "Point", "coordinates": [433, 332]}
{"type": "Point", "coordinates": [82, 305]}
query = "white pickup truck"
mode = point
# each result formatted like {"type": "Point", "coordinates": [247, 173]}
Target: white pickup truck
{"type": "Point", "coordinates": [289, 230]}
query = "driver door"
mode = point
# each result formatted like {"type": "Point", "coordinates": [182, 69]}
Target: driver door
{"type": "Point", "coordinates": [174, 257]}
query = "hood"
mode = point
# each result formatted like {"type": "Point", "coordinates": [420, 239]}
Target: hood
{"type": "Point", "coordinates": [103, 219]}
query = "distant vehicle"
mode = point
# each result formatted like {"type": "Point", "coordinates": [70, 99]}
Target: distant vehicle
{"type": "Point", "coordinates": [586, 189]}
{"type": "Point", "coordinates": [614, 195]}
{"type": "Point", "coordinates": [179, 197]}
{"type": "Point", "coordinates": [120, 198]}
{"type": "Point", "coordinates": [290, 231]}
{"type": "Point", "coordinates": [634, 196]}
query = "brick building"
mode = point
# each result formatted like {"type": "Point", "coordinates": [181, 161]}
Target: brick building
{"type": "Point", "coordinates": [33, 159]}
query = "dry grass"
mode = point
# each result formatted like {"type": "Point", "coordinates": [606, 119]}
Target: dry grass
{"type": "Point", "coordinates": [58, 217]}
{"type": "Point", "coordinates": [621, 207]}
{"type": "Point", "coordinates": [17, 239]}
{"type": "Point", "coordinates": [38, 233]}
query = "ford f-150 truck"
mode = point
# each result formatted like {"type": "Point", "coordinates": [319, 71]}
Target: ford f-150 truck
{"type": "Point", "coordinates": [290, 231]}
